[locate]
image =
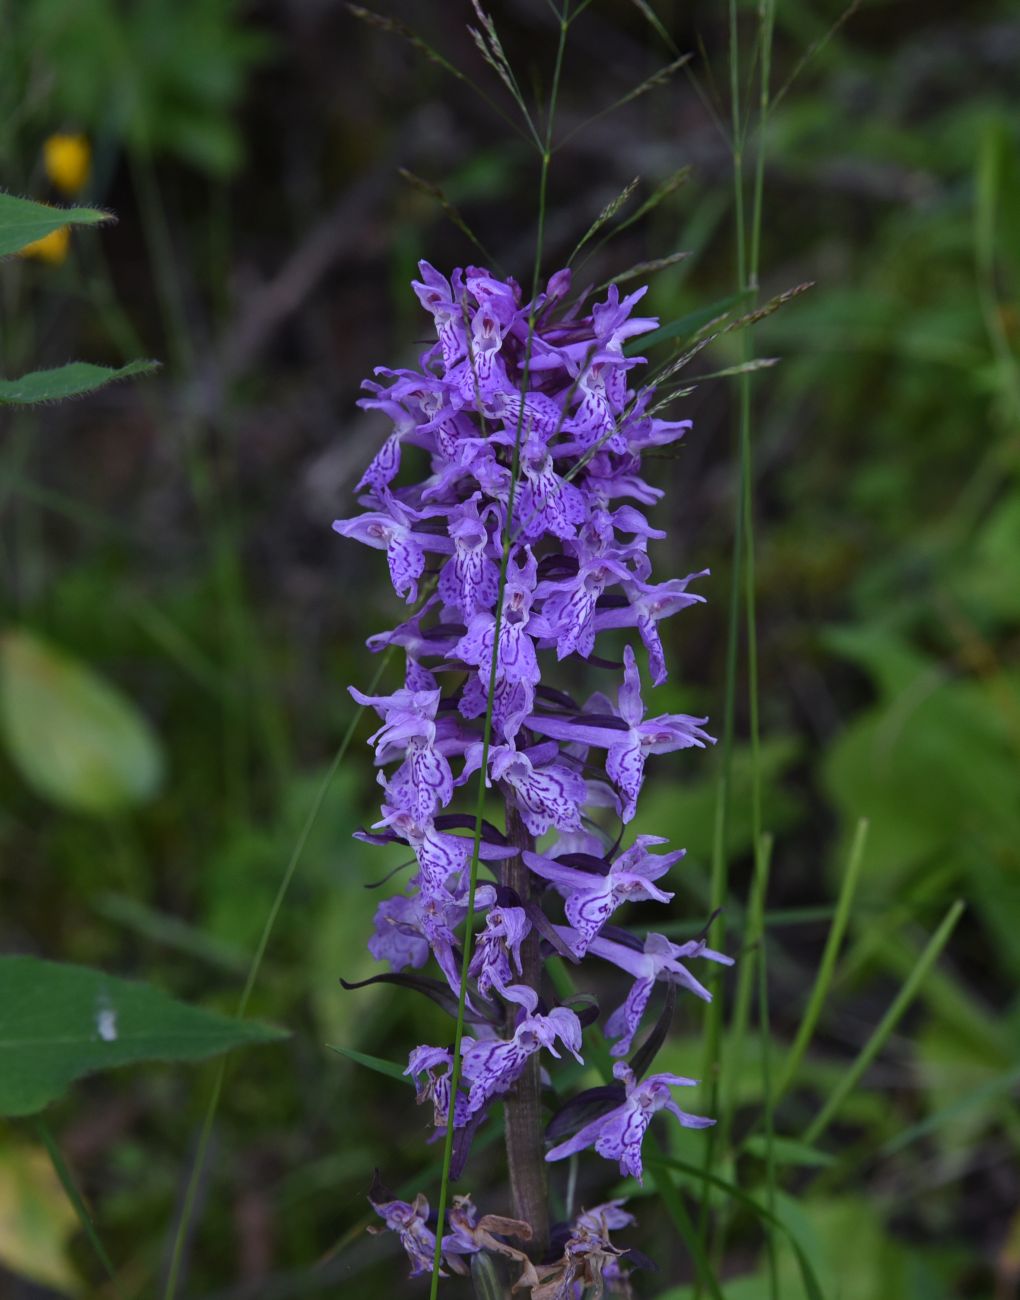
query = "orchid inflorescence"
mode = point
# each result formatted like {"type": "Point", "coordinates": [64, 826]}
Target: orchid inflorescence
{"type": "Point", "coordinates": [521, 545]}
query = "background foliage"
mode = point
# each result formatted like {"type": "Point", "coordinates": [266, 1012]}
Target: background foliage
{"type": "Point", "coordinates": [174, 599]}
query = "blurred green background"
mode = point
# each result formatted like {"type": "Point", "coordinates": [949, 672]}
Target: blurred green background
{"type": "Point", "coordinates": [172, 535]}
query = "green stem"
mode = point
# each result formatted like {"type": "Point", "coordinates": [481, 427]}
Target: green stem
{"type": "Point", "coordinates": [720, 864]}
{"type": "Point", "coordinates": [827, 966]}
{"type": "Point", "coordinates": [743, 575]}
{"type": "Point", "coordinates": [525, 1150]}
{"type": "Point", "coordinates": [76, 1200]}
{"type": "Point", "coordinates": [455, 1073]}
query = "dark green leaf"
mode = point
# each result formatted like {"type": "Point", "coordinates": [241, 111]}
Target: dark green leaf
{"type": "Point", "coordinates": [438, 991]}
{"type": "Point", "coordinates": [376, 1063]}
{"type": "Point", "coordinates": [72, 380]}
{"type": "Point", "coordinates": [648, 1050]}
{"type": "Point", "coordinates": [59, 1022]}
{"type": "Point", "coordinates": [583, 1108]}
{"type": "Point", "coordinates": [684, 326]}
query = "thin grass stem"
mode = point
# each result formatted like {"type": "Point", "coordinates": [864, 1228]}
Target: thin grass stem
{"type": "Point", "coordinates": [827, 966]}
{"type": "Point", "coordinates": [764, 855]}
{"type": "Point", "coordinates": [444, 1186]}
{"type": "Point", "coordinates": [76, 1200]}
{"type": "Point", "coordinates": [885, 1026]}
{"type": "Point", "coordinates": [719, 886]}
{"type": "Point", "coordinates": [746, 983]}
{"type": "Point", "coordinates": [747, 251]}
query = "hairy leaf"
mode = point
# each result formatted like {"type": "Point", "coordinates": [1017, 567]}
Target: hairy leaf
{"type": "Point", "coordinates": [22, 221]}
{"type": "Point", "coordinates": [73, 380]}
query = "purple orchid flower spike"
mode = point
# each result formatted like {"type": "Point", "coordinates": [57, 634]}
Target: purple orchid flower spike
{"type": "Point", "coordinates": [469, 583]}
{"type": "Point", "coordinates": [545, 792]}
{"type": "Point", "coordinates": [444, 302]}
{"type": "Point", "coordinates": [547, 502]}
{"type": "Point", "coordinates": [516, 656]}
{"type": "Point", "coordinates": [470, 1234]}
{"type": "Point", "coordinates": [570, 604]}
{"type": "Point", "coordinates": [528, 422]}
{"type": "Point", "coordinates": [409, 732]}
{"type": "Point", "coordinates": [606, 1218]}
{"type": "Point", "coordinates": [431, 1069]}
{"type": "Point", "coordinates": [399, 937]}
{"type": "Point", "coordinates": [590, 1262]}
{"type": "Point", "coordinates": [408, 929]}
{"type": "Point", "coordinates": [619, 1134]}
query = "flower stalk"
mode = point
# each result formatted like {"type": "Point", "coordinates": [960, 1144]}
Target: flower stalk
{"type": "Point", "coordinates": [525, 1147]}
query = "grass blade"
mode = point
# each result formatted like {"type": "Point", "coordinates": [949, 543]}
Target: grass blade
{"type": "Point", "coordinates": [886, 1025]}
{"type": "Point", "coordinates": [389, 1068]}
{"type": "Point", "coordinates": [77, 1202]}
{"type": "Point", "coordinates": [827, 966]}
{"type": "Point", "coordinates": [673, 1201]}
{"type": "Point", "coordinates": [808, 1275]}
{"type": "Point", "coordinates": [988, 1091]}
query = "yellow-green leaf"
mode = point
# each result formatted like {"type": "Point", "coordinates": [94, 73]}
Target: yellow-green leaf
{"type": "Point", "coordinates": [75, 739]}
{"type": "Point", "coordinates": [36, 1219]}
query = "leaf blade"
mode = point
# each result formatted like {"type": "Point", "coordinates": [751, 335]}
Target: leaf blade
{"type": "Point", "coordinates": [59, 1022]}
{"type": "Point", "coordinates": [23, 221]}
{"type": "Point", "coordinates": [376, 1063]}
{"type": "Point", "coordinates": [73, 380]}
{"type": "Point", "coordinates": [73, 736]}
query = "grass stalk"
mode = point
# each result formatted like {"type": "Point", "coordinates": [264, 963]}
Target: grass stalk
{"type": "Point", "coordinates": [886, 1025]}
{"type": "Point", "coordinates": [76, 1200]}
{"type": "Point", "coordinates": [742, 576]}
{"type": "Point", "coordinates": [752, 979]}
{"type": "Point", "coordinates": [827, 966]}
{"type": "Point", "coordinates": [747, 255]}
{"type": "Point", "coordinates": [546, 156]}
{"type": "Point", "coordinates": [769, 1095]}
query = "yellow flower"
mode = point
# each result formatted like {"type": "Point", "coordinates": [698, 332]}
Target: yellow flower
{"type": "Point", "coordinates": [51, 248]}
{"type": "Point", "coordinates": [68, 160]}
